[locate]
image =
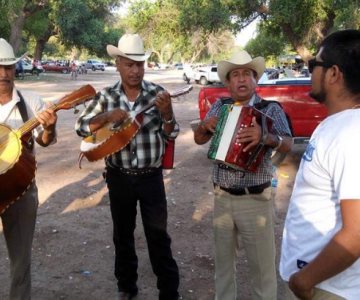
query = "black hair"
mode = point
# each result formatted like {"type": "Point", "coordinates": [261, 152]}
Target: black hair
{"type": "Point", "coordinates": [342, 48]}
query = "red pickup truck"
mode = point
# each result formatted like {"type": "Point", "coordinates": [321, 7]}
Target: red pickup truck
{"type": "Point", "coordinates": [293, 94]}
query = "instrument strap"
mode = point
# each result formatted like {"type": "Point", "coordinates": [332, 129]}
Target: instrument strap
{"type": "Point", "coordinates": [25, 117]}
{"type": "Point", "coordinates": [22, 108]}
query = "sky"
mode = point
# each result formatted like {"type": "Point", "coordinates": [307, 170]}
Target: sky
{"type": "Point", "coordinates": [246, 34]}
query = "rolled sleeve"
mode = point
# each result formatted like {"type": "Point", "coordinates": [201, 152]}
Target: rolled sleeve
{"type": "Point", "coordinates": [82, 125]}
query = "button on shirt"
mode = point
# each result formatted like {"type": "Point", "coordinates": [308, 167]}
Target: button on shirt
{"type": "Point", "coordinates": [231, 178]}
{"type": "Point", "coordinates": [147, 147]}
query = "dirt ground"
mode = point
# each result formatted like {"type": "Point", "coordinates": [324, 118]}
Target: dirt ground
{"type": "Point", "coordinates": [73, 253]}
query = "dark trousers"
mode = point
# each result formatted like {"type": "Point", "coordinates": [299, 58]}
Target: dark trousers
{"type": "Point", "coordinates": [124, 192]}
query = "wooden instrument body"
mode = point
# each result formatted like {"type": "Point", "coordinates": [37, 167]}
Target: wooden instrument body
{"type": "Point", "coordinates": [17, 161]}
{"type": "Point", "coordinates": [225, 149]}
{"type": "Point", "coordinates": [108, 139]}
{"type": "Point", "coordinates": [17, 167]}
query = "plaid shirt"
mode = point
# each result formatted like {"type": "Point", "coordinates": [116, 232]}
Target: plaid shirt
{"type": "Point", "coordinates": [230, 178]}
{"type": "Point", "coordinates": [147, 147]}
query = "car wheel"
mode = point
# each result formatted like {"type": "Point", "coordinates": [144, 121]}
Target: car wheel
{"type": "Point", "coordinates": [93, 68]}
{"type": "Point", "coordinates": [203, 81]}
{"type": "Point", "coordinates": [64, 71]}
{"type": "Point", "coordinates": [35, 72]}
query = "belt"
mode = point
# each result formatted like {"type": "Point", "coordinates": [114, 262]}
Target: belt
{"type": "Point", "coordinates": [256, 189]}
{"type": "Point", "coordinates": [135, 172]}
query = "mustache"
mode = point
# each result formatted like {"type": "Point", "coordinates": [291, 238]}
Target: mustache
{"type": "Point", "coordinates": [5, 80]}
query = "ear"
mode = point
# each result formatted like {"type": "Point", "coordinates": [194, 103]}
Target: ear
{"type": "Point", "coordinates": [334, 74]}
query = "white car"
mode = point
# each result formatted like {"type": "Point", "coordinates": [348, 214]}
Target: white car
{"type": "Point", "coordinates": [207, 74]}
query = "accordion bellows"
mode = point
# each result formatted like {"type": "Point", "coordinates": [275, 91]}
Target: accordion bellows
{"type": "Point", "coordinates": [226, 150]}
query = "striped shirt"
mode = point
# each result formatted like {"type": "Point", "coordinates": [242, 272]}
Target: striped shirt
{"type": "Point", "coordinates": [230, 178]}
{"type": "Point", "coordinates": [146, 149]}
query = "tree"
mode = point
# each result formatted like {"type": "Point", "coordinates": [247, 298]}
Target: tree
{"type": "Point", "coordinates": [302, 23]}
{"type": "Point", "coordinates": [160, 24]}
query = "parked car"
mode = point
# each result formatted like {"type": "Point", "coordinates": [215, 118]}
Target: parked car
{"type": "Point", "coordinates": [29, 68]}
{"type": "Point", "coordinates": [54, 67]}
{"type": "Point", "coordinates": [179, 66]}
{"type": "Point", "coordinates": [94, 65]}
{"type": "Point", "coordinates": [206, 75]}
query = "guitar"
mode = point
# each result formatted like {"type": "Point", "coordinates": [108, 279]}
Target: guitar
{"type": "Point", "coordinates": [17, 162]}
{"type": "Point", "coordinates": [112, 137]}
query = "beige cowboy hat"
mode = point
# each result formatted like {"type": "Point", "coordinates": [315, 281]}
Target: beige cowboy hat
{"type": "Point", "coordinates": [7, 56]}
{"type": "Point", "coordinates": [241, 59]}
{"type": "Point", "coordinates": [130, 46]}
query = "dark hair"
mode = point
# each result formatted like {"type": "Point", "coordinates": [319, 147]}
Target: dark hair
{"type": "Point", "coordinates": [342, 48]}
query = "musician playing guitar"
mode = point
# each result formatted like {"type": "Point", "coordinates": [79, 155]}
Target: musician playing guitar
{"type": "Point", "coordinates": [135, 172]}
{"type": "Point", "coordinates": [242, 205]}
{"type": "Point", "coordinates": [19, 218]}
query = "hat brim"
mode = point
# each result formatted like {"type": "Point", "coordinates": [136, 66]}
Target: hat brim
{"type": "Point", "coordinates": [257, 64]}
{"type": "Point", "coordinates": [11, 61]}
{"type": "Point", "coordinates": [115, 52]}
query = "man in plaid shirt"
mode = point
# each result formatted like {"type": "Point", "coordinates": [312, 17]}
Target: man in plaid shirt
{"type": "Point", "coordinates": [243, 208]}
{"type": "Point", "coordinates": [135, 172]}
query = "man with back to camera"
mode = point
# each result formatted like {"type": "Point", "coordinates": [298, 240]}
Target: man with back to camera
{"type": "Point", "coordinates": [19, 218]}
{"type": "Point", "coordinates": [321, 240]}
{"type": "Point", "coordinates": [135, 172]}
{"type": "Point", "coordinates": [242, 205]}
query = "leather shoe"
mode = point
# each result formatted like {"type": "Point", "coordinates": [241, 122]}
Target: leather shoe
{"type": "Point", "coordinates": [126, 296]}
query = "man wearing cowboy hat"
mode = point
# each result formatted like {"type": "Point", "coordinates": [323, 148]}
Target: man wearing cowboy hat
{"type": "Point", "coordinates": [19, 218]}
{"type": "Point", "coordinates": [242, 204]}
{"type": "Point", "coordinates": [135, 173]}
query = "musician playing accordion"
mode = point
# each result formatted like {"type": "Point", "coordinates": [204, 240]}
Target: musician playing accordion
{"type": "Point", "coordinates": [243, 207]}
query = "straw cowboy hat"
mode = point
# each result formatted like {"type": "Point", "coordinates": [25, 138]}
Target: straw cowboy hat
{"type": "Point", "coordinates": [241, 59]}
{"type": "Point", "coordinates": [7, 56]}
{"type": "Point", "coordinates": [130, 46]}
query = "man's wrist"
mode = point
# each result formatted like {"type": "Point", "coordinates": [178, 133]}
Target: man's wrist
{"type": "Point", "coordinates": [279, 142]}
{"type": "Point", "coordinates": [169, 120]}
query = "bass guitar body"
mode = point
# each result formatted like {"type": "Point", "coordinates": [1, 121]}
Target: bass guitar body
{"type": "Point", "coordinates": [17, 167]}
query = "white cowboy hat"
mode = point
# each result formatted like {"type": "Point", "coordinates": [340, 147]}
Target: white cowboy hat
{"type": "Point", "coordinates": [241, 59]}
{"type": "Point", "coordinates": [130, 46]}
{"type": "Point", "coordinates": [7, 56]}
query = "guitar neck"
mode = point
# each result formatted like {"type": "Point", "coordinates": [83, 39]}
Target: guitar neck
{"type": "Point", "coordinates": [32, 123]}
{"type": "Point", "coordinates": [172, 95]}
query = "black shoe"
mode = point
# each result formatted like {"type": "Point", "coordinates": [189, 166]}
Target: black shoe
{"type": "Point", "coordinates": [126, 296]}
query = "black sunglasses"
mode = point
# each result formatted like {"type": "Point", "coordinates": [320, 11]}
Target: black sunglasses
{"type": "Point", "coordinates": [312, 63]}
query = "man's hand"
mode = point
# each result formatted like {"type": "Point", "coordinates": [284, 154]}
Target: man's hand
{"type": "Point", "coordinates": [47, 119]}
{"type": "Point", "coordinates": [163, 103]}
{"type": "Point", "coordinates": [209, 125]}
{"type": "Point", "coordinates": [251, 135]}
{"type": "Point", "coordinates": [299, 287]}
{"type": "Point", "coordinates": [117, 116]}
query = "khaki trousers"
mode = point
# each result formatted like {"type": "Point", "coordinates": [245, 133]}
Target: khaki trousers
{"type": "Point", "coordinates": [249, 218]}
{"type": "Point", "coordinates": [19, 225]}
{"type": "Point", "coordinates": [318, 295]}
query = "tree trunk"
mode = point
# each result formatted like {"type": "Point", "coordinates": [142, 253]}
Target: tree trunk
{"type": "Point", "coordinates": [39, 48]}
{"type": "Point", "coordinates": [16, 31]}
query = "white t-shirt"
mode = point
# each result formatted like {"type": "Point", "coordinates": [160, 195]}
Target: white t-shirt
{"type": "Point", "coordinates": [329, 172]}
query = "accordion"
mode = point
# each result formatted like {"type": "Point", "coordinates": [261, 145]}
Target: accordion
{"type": "Point", "coordinates": [226, 150]}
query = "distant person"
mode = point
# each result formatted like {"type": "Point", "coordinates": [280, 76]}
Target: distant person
{"type": "Point", "coordinates": [134, 174]}
{"type": "Point", "coordinates": [321, 240]}
{"type": "Point", "coordinates": [243, 208]}
{"type": "Point", "coordinates": [73, 70]}
{"type": "Point", "coordinates": [19, 218]}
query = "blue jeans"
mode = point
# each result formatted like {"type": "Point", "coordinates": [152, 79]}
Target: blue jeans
{"type": "Point", "coordinates": [148, 189]}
